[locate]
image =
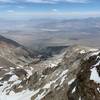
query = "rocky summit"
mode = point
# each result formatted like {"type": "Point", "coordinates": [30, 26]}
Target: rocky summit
{"type": "Point", "coordinates": [55, 73]}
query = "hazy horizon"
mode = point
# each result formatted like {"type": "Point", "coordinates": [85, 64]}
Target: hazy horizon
{"type": "Point", "coordinates": [53, 32]}
{"type": "Point", "coordinates": [51, 22]}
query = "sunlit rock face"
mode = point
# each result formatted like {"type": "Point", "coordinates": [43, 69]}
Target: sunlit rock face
{"type": "Point", "coordinates": [55, 73]}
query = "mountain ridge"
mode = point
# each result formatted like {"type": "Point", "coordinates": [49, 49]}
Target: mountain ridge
{"type": "Point", "coordinates": [66, 73]}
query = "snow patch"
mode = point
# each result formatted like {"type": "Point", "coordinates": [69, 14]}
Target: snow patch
{"type": "Point", "coordinates": [73, 89]}
{"type": "Point", "coordinates": [94, 75]}
{"type": "Point", "coordinates": [98, 89]}
{"type": "Point", "coordinates": [20, 66]}
{"type": "Point", "coordinates": [95, 53]}
{"type": "Point", "coordinates": [29, 73]}
{"type": "Point", "coordinates": [24, 95]}
{"type": "Point", "coordinates": [54, 81]}
{"type": "Point", "coordinates": [97, 64]}
{"type": "Point", "coordinates": [11, 68]}
{"type": "Point", "coordinates": [62, 80]}
{"type": "Point", "coordinates": [92, 50]}
{"type": "Point", "coordinates": [1, 67]}
{"type": "Point", "coordinates": [71, 81]}
{"type": "Point", "coordinates": [63, 73]}
{"type": "Point", "coordinates": [40, 96]}
{"type": "Point", "coordinates": [79, 98]}
{"type": "Point", "coordinates": [49, 84]}
{"type": "Point", "coordinates": [82, 51]}
{"type": "Point", "coordinates": [13, 78]}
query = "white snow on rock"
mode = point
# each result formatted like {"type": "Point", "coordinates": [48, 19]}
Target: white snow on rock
{"type": "Point", "coordinates": [93, 50]}
{"type": "Point", "coordinates": [40, 96]}
{"type": "Point", "coordinates": [64, 72]}
{"type": "Point", "coordinates": [24, 95]}
{"type": "Point", "coordinates": [95, 53]}
{"type": "Point", "coordinates": [97, 64]}
{"type": "Point", "coordinates": [98, 89]}
{"type": "Point", "coordinates": [82, 51]}
{"type": "Point", "coordinates": [94, 75]}
{"type": "Point", "coordinates": [62, 80]}
{"type": "Point", "coordinates": [79, 98]}
{"type": "Point", "coordinates": [49, 84]}
{"type": "Point", "coordinates": [13, 78]}
{"type": "Point", "coordinates": [1, 67]}
{"type": "Point", "coordinates": [71, 81]}
{"type": "Point", "coordinates": [53, 61]}
{"type": "Point", "coordinates": [11, 68]}
{"type": "Point", "coordinates": [62, 77]}
{"type": "Point", "coordinates": [29, 73]}
{"type": "Point", "coordinates": [73, 89]}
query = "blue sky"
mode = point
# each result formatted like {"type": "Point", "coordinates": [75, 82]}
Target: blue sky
{"type": "Point", "coordinates": [49, 8]}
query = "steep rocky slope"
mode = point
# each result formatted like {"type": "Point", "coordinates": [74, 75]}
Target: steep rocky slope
{"type": "Point", "coordinates": [66, 73]}
{"type": "Point", "coordinates": [14, 52]}
{"type": "Point", "coordinates": [87, 83]}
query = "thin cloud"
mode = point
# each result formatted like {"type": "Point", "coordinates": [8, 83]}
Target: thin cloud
{"type": "Point", "coordinates": [54, 10]}
{"type": "Point", "coordinates": [56, 1]}
{"type": "Point", "coordinates": [43, 1]}
{"type": "Point", "coordinates": [77, 1]}
{"type": "Point", "coordinates": [36, 14]}
{"type": "Point", "coordinates": [20, 7]}
{"type": "Point", "coordinates": [7, 1]}
{"type": "Point", "coordinates": [10, 11]}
